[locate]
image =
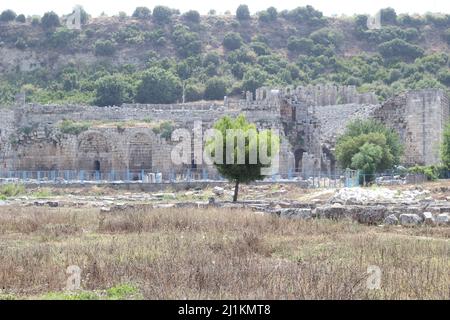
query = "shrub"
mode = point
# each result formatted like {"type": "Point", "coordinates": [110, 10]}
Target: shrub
{"type": "Point", "coordinates": [303, 45]}
{"type": "Point", "coordinates": [50, 20]}
{"type": "Point", "coordinates": [243, 13]}
{"type": "Point", "coordinates": [7, 16]}
{"type": "Point", "coordinates": [430, 172]}
{"type": "Point", "coordinates": [165, 130]}
{"type": "Point", "coordinates": [445, 148]}
{"type": "Point", "coordinates": [388, 16]}
{"type": "Point", "coordinates": [72, 127]}
{"type": "Point", "coordinates": [192, 16]}
{"type": "Point", "coordinates": [11, 190]}
{"type": "Point", "coordinates": [368, 146]}
{"type": "Point", "coordinates": [113, 90]}
{"type": "Point", "coordinates": [216, 89]}
{"type": "Point", "coordinates": [399, 48]}
{"type": "Point", "coordinates": [446, 36]}
{"type": "Point", "coordinates": [232, 41]}
{"type": "Point", "coordinates": [143, 13]}
{"type": "Point", "coordinates": [162, 14]}
{"type": "Point", "coordinates": [105, 48]}
{"type": "Point", "coordinates": [21, 18]}
{"type": "Point", "coordinates": [158, 86]}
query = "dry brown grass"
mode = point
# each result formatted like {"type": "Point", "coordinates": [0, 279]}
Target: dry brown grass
{"type": "Point", "coordinates": [217, 254]}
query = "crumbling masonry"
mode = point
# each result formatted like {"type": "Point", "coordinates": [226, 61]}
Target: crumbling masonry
{"type": "Point", "coordinates": [127, 138]}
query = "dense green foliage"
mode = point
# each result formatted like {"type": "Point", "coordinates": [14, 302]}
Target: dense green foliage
{"type": "Point", "coordinates": [445, 148]}
{"type": "Point", "coordinates": [113, 90]}
{"type": "Point", "coordinates": [158, 86]}
{"type": "Point", "coordinates": [250, 170]}
{"type": "Point", "coordinates": [296, 47]}
{"type": "Point", "coordinates": [368, 146]}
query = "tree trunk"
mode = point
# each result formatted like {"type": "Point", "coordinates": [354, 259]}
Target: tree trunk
{"type": "Point", "coordinates": [236, 191]}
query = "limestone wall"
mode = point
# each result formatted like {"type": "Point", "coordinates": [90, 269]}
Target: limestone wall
{"type": "Point", "coordinates": [419, 117]}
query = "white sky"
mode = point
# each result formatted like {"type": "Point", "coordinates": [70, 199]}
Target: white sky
{"type": "Point", "coordinates": [328, 7]}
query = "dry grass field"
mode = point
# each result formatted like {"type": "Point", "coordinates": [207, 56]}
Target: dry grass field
{"type": "Point", "coordinates": [214, 254]}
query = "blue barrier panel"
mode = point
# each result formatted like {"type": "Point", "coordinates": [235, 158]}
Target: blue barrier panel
{"type": "Point", "coordinates": [39, 176]}
{"type": "Point", "coordinates": [82, 176]}
{"type": "Point", "coordinates": [205, 174]}
{"type": "Point", "coordinates": [142, 175]}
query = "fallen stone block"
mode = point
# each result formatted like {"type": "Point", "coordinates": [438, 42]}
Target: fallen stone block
{"type": "Point", "coordinates": [391, 220]}
{"type": "Point", "coordinates": [428, 218]}
{"type": "Point", "coordinates": [410, 219]}
{"type": "Point", "coordinates": [443, 219]}
{"type": "Point", "coordinates": [296, 213]}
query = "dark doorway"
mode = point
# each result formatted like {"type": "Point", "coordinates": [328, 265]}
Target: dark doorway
{"type": "Point", "coordinates": [298, 155]}
{"type": "Point", "coordinates": [97, 165]}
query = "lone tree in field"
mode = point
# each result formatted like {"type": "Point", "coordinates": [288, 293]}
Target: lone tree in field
{"type": "Point", "coordinates": [241, 153]}
{"type": "Point", "coordinates": [368, 146]}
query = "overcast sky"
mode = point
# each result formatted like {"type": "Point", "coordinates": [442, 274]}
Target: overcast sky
{"type": "Point", "coordinates": [328, 7]}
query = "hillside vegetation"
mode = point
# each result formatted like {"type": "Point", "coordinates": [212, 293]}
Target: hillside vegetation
{"type": "Point", "coordinates": [156, 55]}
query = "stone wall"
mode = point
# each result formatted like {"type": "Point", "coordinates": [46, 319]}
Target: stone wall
{"type": "Point", "coordinates": [419, 117]}
{"type": "Point", "coordinates": [308, 119]}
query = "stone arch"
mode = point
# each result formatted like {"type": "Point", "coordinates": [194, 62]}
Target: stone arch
{"type": "Point", "coordinates": [94, 152]}
{"type": "Point", "coordinates": [140, 152]}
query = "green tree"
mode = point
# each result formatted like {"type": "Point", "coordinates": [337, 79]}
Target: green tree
{"type": "Point", "coordinates": [388, 16]}
{"type": "Point", "coordinates": [216, 88]}
{"type": "Point", "coordinates": [191, 16]}
{"type": "Point", "coordinates": [7, 16]}
{"type": "Point", "coordinates": [368, 146]}
{"type": "Point", "coordinates": [50, 20]}
{"type": "Point", "coordinates": [232, 41]}
{"type": "Point", "coordinates": [251, 150]}
{"type": "Point", "coordinates": [399, 48]}
{"type": "Point", "coordinates": [243, 13]}
{"type": "Point", "coordinates": [105, 48]}
{"type": "Point", "coordinates": [142, 13]}
{"type": "Point", "coordinates": [254, 79]}
{"type": "Point", "coordinates": [445, 149]}
{"type": "Point", "coordinates": [158, 86]}
{"type": "Point", "coordinates": [113, 90]}
{"type": "Point", "coordinates": [21, 18]}
{"type": "Point", "coordinates": [162, 14]}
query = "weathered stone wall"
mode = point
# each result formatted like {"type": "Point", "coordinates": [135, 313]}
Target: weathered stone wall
{"type": "Point", "coordinates": [308, 119]}
{"type": "Point", "coordinates": [419, 117]}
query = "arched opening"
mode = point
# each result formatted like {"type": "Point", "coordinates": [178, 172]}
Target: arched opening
{"type": "Point", "coordinates": [97, 166]}
{"type": "Point", "coordinates": [94, 153]}
{"type": "Point", "coordinates": [298, 157]}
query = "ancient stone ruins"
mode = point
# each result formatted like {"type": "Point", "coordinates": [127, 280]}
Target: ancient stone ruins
{"type": "Point", "coordinates": [123, 138]}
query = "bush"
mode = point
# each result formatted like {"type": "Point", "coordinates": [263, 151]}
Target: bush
{"type": "Point", "coordinates": [431, 172]}
{"type": "Point", "coordinates": [72, 127]}
{"type": "Point", "coordinates": [162, 14]}
{"type": "Point", "coordinates": [445, 148]}
{"type": "Point", "coordinates": [388, 16]}
{"type": "Point", "coordinates": [50, 20]}
{"type": "Point", "coordinates": [143, 13]}
{"type": "Point", "coordinates": [11, 190]}
{"type": "Point", "coordinates": [399, 48]}
{"type": "Point", "coordinates": [243, 13]}
{"type": "Point", "coordinates": [232, 41]}
{"type": "Point", "coordinates": [105, 48]}
{"type": "Point", "coordinates": [446, 36]}
{"type": "Point", "coordinates": [216, 89]}
{"type": "Point", "coordinates": [21, 44]}
{"type": "Point", "coordinates": [21, 18]}
{"type": "Point", "coordinates": [7, 16]}
{"type": "Point", "coordinates": [62, 37]}
{"type": "Point", "coordinates": [368, 146]}
{"type": "Point", "coordinates": [303, 45]}
{"type": "Point", "coordinates": [327, 37]}
{"type": "Point", "coordinates": [113, 90]}
{"type": "Point", "coordinates": [165, 130]}
{"type": "Point", "coordinates": [187, 43]}
{"type": "Point", "coordinates": [192, 16]}
{"type": "Point", "coordinates": [158, 86]}
{"type": "Point", "coordinates": [193, 91]}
